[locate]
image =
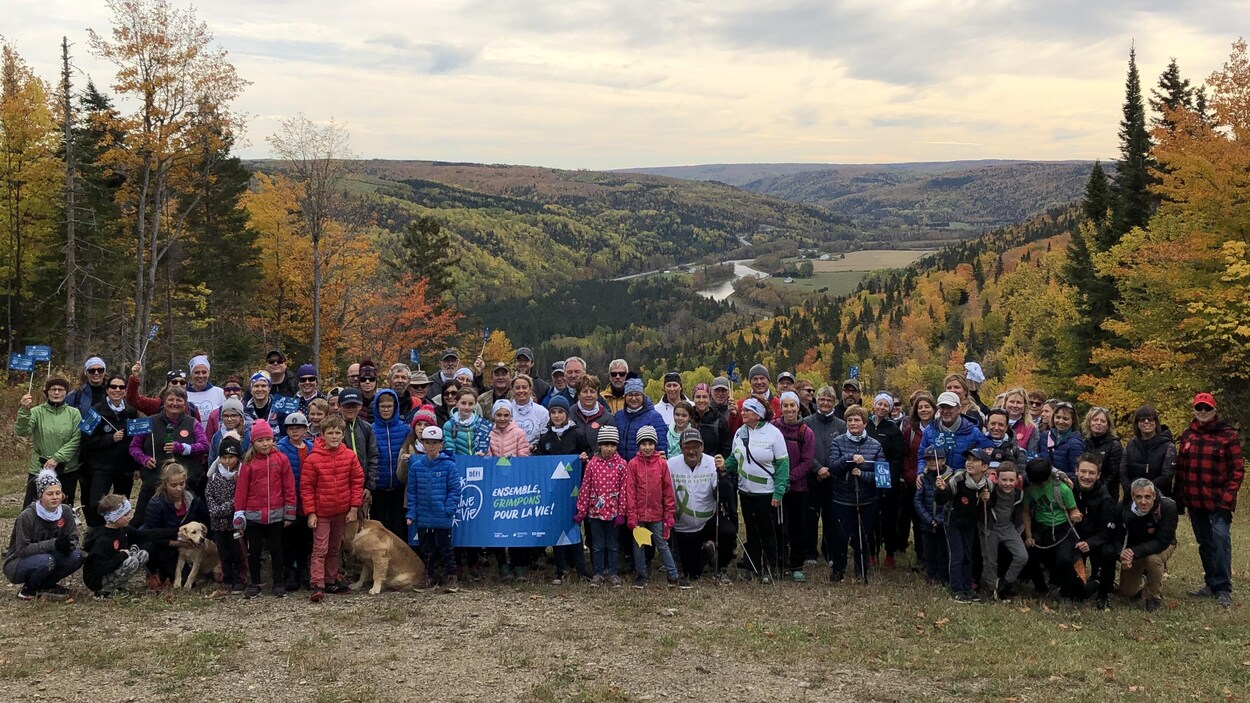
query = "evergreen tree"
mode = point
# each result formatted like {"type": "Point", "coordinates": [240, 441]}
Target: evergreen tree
{"type": "Point", "coordinates": [1133, 203]}
{"type": "Point", "coordinates": [1172, 93]}
{"type": "Point", "coordinates": [425, 250]}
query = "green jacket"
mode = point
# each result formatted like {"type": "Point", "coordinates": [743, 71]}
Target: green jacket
{"type": "Point", "coordinates": [54, 435]}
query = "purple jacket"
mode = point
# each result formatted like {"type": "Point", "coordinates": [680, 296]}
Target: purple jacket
{"type": "Point", "coordinates": [801, 446]}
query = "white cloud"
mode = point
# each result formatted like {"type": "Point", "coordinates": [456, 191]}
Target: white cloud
{"type": "Point", "coordinates": [604, 84]}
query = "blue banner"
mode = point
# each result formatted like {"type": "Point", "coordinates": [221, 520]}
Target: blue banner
{"type": "Point", "coordinates": [138, 426]}
{"type": "Point", "coordinates": [854, 372]}
{"type": "Point", "coordinates": [90, 422]}
{"type": "Point", "coordinates": [882, 471]}
{"type": "Point", "coordinates": [19, 362]}
{"type": "Point", "coordinates": [518, 502]}
{"type": "Point", "coordinates": [414, 357]}
{"type": "Point", "coordinates": [39, 352]}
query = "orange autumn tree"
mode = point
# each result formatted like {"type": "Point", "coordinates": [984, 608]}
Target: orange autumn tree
{"type": "Point", "coordinates": [390, 319]}
{"type": "Point", "coordinates": [1184, 281]}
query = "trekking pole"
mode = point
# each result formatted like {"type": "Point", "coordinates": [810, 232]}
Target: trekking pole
{"type": "Point", "coordinates": [778, 525]}
{"type": "Point", "coordinates": [860, 556]}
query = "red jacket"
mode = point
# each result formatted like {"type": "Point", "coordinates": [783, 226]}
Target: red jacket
{"type": "Point", "coordinates": [1209, 467]}
{"type": "Point", "coordinates": [331, 481]}
{"type": "Point", "coordinates": [602, 495]}
{"type": "Point", "coordinates": [265, 489]}
{"type": "Point", "coordinates": [774, 406]}
{"type": "Point", "coordinates": [649, 491]}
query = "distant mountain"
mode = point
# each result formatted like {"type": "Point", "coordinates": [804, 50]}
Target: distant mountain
{"type": "Point", "coordinates": [742, 174]}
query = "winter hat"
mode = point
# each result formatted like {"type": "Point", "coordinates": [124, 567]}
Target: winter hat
{"type": "Point", "coordinates": [609, 435]}
{"type": "Point", "coordinates": [884, 396]}
{"type": "Point", "coordinates": [502, 403]}
{"type": "Point", "coordinates": [948, 399]}
{"type": "Point", "coordinates": [232, 405]}
{"type": "Point", "coordinates": [295, 419]}
{"type": "Point", "coordinates": [45, 479]}
{"type": "Point", "coordinates": [633, 385]}
{"type": "Point", "coordinates": [755, 406]}
{"type": "Point", "coordinates": [175, 373]}
{"type": "Point", "coordinates": [701, 387]}
{"type": "Point", "coordinates": [55, 381]}
{"type": "Point", "coordinates": [464, 371]}
{"type": "Point", "coordinates": [672, 376]}
{"type": "Point", "coordinates": [559, 402]}
{"type": "Point", "coordinates": [230, 446]}
{"type": "Point", "coordinates": [261, 430]}
{"type": "Point", "coordinates": [306, 370]}
{"type": "Point", "coordinates": [759, 370]}
{"type": "Point", "coordinates": [432, 434]}
{"type": "Point", "coordinates": [94, 362]}
{"type": "Point", "coordinates": [646, 434]}
{"type": "Point", "coordinates": [426, 415]}
{"type": "Point", "coordinates": [260, 376]}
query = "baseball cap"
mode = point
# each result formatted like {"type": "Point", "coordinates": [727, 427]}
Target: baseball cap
{"type": "Point", "coordinates": [449, 353]}
{"type": "Point", "coordinates": [525, 352]}
{"type": "Point", "coordinates": [721, 382]}
{"type": "Point", "coordinates": [852, 382]}
{"type": "Point", "coordinates": [690, 434]}
{"type": "Point", "coordinates": [935, 453]}
{"type": "Point", "coordinates": [785, 374]}
{"type": "Point", "coordinates": [979, 454]}
{"type": "Point", "coordinates": [295, 419]}
{"type": "Point", "coordinates": [1204, 399]}
{"type": "Point", "coordinates": [432, 433]}
{"type": "Point", "coordinates": [351, 396]}
{"type": "Point", "coordinates": [275, 352]}
{"type": "Point", "coordinates": [948, 399]}
{"type": "Point", "coordinates": [500, 366]}
{"type": "Point", "coordinates": [557, 367]}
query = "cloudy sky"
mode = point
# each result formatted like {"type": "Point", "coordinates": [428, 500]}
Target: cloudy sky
{"type": "Point", "coordinates": [598, 84]}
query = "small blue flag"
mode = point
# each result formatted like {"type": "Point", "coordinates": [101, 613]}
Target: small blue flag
{"type": "Point", "coordinates": [90, 422]}
{"type": "Point", "coordinates": [138, 426]}
{"type": "Point", "coordinates": [854, 372]}
{"type": "Point", "coordinates": [485, 333]}
{"type": "Point", "coordinates": [39, 352]}
{"type": "Point", "coordinates": [882, 470]}
{"type": "Point", "coordinates": [283, 405]}
{"type": "Point", "coordinates": [152, 332]}
{"type": "Point", "coordinates": [414, 357]}
{"type": "Point", "coordinates": [19, 362]}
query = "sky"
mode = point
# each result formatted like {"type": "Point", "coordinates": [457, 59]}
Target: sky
{"type": "Point", "coordinates": [598, 85]}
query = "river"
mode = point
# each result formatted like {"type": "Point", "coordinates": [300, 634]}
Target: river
{"type": "Point", "coordinates": [723, 290]}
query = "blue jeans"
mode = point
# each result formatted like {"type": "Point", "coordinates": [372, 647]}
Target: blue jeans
{"type": "Point", "coordinates": [45, 570]}
{"type": "Point", "coordinates": [1215, 547]}
{"type": "Point", "coordinates": [604, 546]}
{"type": "Point", "coordinates": [661, 546]}
{"type": "Point", "coordinates": [959, 541]}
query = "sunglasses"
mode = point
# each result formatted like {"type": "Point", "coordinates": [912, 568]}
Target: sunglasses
{"type": "Point", "coordinates": [1151, 420]}
{"type": "Point", "coordinates": [1035, 404]}
{"type": "Point", "coordinates": [1203, 408]}
{"type": "Point", "coordinates": [618, 374]}
{"type": "Point", "coordinates": [1063, 404]}
{"type": "Point", "coordinates": [232, 389]}
{"type": "Point", "coordinates": [94, 372]}
{"type": "Point", "coordinates": [178, 382]}
{"type": "Point", "coordinates": [308, 379]}
{"type": "Point", "coordinates": [367, 379]}
{"type": "Point", "coordinates": [115, 387]}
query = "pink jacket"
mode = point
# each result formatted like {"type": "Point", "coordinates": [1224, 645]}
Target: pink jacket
{"type": "Point", "coordinates": [602, 495]}
{"type": "Point", "coordinates": [649, 491]}
{"type": "Point", "coordinates": [511, 442]}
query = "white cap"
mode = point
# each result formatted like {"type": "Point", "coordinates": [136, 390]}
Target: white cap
{"type": "Point", "coordinates": [432, 433]}
{"type": "Point", "coordinates": [949, 399]}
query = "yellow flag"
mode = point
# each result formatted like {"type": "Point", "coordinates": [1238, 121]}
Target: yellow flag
{"type": "Point", "coordinates": [642, 536]}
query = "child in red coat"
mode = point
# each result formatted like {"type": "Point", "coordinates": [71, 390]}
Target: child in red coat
{"type": "Point", "coordinates": [264, 501]}
{"type": "Point", "coordinates": [332, 484]}
{"type": "Point", "coordinates": [601, 500]}
{"type": "Point", "coordinates": [649, 503]}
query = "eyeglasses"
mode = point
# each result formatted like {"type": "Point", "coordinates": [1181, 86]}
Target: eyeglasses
{"type": "Point", "coordinates": [115, 387]}
{"type": "Point", "coordinates": [618, 374]}
{"type": "Point", "coordinates": [232, 389]}
{"type": "Point", "coordinates": [95, 372]}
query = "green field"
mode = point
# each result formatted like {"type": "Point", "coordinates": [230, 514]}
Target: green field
{"type": "Point", "coordinates": [837, 282]}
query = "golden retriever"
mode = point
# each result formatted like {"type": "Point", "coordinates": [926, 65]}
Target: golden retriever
{"type": "Point", "coordinates": [196, 549]}
{"type": "Point", "coordinates": [384, 558]}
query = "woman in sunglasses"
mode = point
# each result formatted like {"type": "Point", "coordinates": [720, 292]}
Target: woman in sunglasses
{"type": "Point", "coordinates": [106, 461]}
{"type": "Point", "coordinates": [1151, 453]}
{"type": "Point", "coordinates": [91, 392]}
{"type": "Point", "coordinates": [149, 405]}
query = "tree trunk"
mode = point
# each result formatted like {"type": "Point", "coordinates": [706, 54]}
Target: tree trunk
{"type": "Point", "coordinates": [71, 245]}
{"type": "Point", "coordinates": [316, 336]}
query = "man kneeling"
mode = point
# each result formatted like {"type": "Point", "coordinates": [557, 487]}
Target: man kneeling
{"type": "Point", "coordinates": [1150, 525]}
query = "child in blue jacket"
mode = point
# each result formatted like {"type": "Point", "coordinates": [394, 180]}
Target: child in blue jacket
{"type": "Point", "coordinates": [434, 483]}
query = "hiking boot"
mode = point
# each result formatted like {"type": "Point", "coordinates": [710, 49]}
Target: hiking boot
{"type": "Point", "coordinates": [1225, 599]}
{"type": "Point", "coordinates": [1152, 604]}
{"type": "Point", "coordinates": [616, 582]}
{"type": "Point", "coordinates": [1204, 592]}
{"type": "Point", "coordinates": [252, 591]}
{"type": "Point", "coordinates": [889, 562]}
{"type": "Point", "coordinates": [597, 581]}
{"type": "Point", "coordinates": [837, 576]}
{"type": "Point", "coordinates": [452, 585]}
{"type": "Point", "coordinates": [339, 588]}
{"type": "Point", "coordinates": [798, 576]}
{"type": "Point", "coordinates": [25, 593]}
{"type": "Point", "coordinates": [1103, 603]}
{"type": "Point", "coordinates": [640, 582]}
{"type": "Point", "coordinates": [317, 595]}
{"type": "Point", "coordinates": [279, 592]}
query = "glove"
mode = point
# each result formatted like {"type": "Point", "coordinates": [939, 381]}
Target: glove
{"type": "Point", "coordinates": [578, 518]}
{"type": "Point", "coordinates": [619, 521]}
{"type": "Point", "coordinates": [633, 524]}
{"type": "Point", "coordinates": [239, 522]}
{"type": "Point", "coordinates": [63, 545]}
{"type": "Point", "coordinates": [180, 448]}
{"type": "Point", "coordinates": [668, 527]}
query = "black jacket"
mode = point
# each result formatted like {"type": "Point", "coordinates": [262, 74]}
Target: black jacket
{"type": "Point", "coordinates": [99, 451]}
{"type": "Point", "coordinates": [1108, 447]}
{"type": "Point", "coordinates": [104, 547]}
{"type": "Point", "coordinates": [964, 507]}
{"type": "Point", "coordinates": [890, 437]}
{"type": "Point", "coordinates": [1153, 532]}
{"type": "Point", "coordinates": [715, 432]}
{"type": "Point", "coordinates": [1099, 525]}
{"type": "Point", "coordinates": [1154, 459]}
{"type": "Point", "coordinates": [571, 441]}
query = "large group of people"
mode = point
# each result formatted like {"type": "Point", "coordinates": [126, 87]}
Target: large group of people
{"type": "Point", "coordinates": [763, 487]}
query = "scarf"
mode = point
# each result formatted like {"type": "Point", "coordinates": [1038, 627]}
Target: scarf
{"type": "Point", "coordinates": [976, 485]}
{"type": "Point", "coordinates": [117, 408]}
{"type": "Point", "coordinates": [1132, 506]}
{"type": "Point", "coordinates": [225, 473]}
{"type": "Point", "coordinates": [858, 439]}
{"type": "Point", "coordinates": [49, 515]}
{"type": "Point", "coordinates": [561, 430]}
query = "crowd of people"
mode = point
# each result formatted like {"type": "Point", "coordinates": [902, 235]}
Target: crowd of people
{"type": "Point", "coordinates": [765, 487]}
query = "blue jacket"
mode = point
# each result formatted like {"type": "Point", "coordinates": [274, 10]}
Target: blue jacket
{"type": "Point", "coordinates": [162, 517]}
{"type": "Point", "coordinates": [473, 438]}
{"type": "Point", "coordinates": [628, 424]}
{"type": "Point", "coordinates": [846, 488]}
{"type": "Point", "coordinates": [85, 397]}
{"type": "Point", "coordinates": [292, 455]}
{"type": "Point", "coordinates": [433, 491]}
{"type": "Point", "coordinates": [390, 436]}
{"type": "Point", "coordinates": [1065, 452]}
{"type": "Point", "coordinates": [967, 436]}
{"type": "Point", "coordinates": [214, 445]}
{"type": "Point", "coordinates": [925, 502]}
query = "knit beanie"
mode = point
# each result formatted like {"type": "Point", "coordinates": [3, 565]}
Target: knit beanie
{"type": "Point", "coordinates": [559, 402]}
{"type": "Point", "coordinates": [633, 385]}
{"type": "Point", "coordinates": [646, 434]}
{"type": "Point", "coordinates": [759, 370]}
{"type": "Point", "coordinates": [261, 430]}
{"type": "Point", "coordinates": [609, 435]}
{"type": "Point", "coordinates": [232, 405]}
{"type": "Point", "coordinates": [45, 479]}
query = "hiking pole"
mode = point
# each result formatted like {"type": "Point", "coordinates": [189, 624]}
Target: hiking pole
{"type": "Point", "coordinates": [778, 525]}
{"type": "Point", "coordinates": [860, 556]}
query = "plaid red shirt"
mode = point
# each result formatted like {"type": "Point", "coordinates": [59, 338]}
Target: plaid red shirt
{"type": "Point", "coordinates": [1209, 467]}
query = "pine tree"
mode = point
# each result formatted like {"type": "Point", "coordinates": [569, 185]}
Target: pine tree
{"type": "Point", "coordinates": [1133, 203]}
{"type": "Point", "coordinates": [425, 250]}
{"type": "Point", "coordinates": [1173, 93]}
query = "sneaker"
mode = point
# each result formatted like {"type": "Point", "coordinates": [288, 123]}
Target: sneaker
{"type": "Point", "coordinates": [1204, 592]}
{"type": "Point", "coordinates": [616, 582]}
{"type": "Point", "coordinates": [425, 584]}
{"type": "Point", "coordinates": [477, 573]}
{"type": "Point", "coordinates": [722, 579]}
{"type": "Point", "coordinates": [837, 576]}
{"type": "Point", "coordinates": [889, 562]}
{"type": "Point", "coordinates": [25, 593]}
{"type": "Point", "coordinates": [597, 581]}
{"type": "Point", "coordinates": [766, 580]}
{"type": "Point", "coordinates": [252, 591]}
{"type": "Point", "coordinates": [102, 595]}
{"type": "Point", "coordinates": [1152, 604]}
{"type": "Point", "coordinates": [279, 592]}
{"type": "Point", "coordinates": [974, 597]}
{"type": "Point", "coordinates": [798, 576]}
{"type": "Point", "coordinates": [506, 574]}
{"type": "Point", "coordinates": [54, 593]}
{"type": "Point", "coordinates": [1225, 599]}
{"type": "Point", "coordinates": [681, 584]}
{"type": "Point", "coordinates": [1103, 603]}
{"type": "Point", "coordinates": [154, 582]}
{"type": "Point", "coordinates": [640, 582]}
{"type": "Point", "coordinates": [1007, 591]}
{"type": "Point", "coordinates": [339, 588]}
{"type": "Point", "coordinates": [236, 588]}
{"type": "Point", "coordinates": [962, 597]}
{"type": "Point", "coordinates": [557, 581]}
{"type": "Point", "coordinates": [452, 585]}
{"type": "Point", "coordinates": [317, 595]}
{"type": "Point", "coordinates": [521, 573]}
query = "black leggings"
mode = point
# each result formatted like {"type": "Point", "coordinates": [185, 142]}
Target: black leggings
{"type": "Point", "coordinates": [265, 537]}
{"type": "Point", "coordinates": [228, 549]}
{"type": "Point", "coordinates": [101, 482]}
{"type": "Point", "coordinates": [760, 518]}
{"type": "Point", "coordinates": [689, 546]}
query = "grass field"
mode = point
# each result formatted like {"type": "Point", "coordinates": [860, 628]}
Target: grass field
{"type": "Point", "coordinates": [837, 282]}
{"type": "Point", "coordinates": [870, 260]}
{"type": "Point", "coordinates": [892, 640]}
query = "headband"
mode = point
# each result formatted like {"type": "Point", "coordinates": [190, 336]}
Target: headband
{"type": "Point", "coordinates": [121, 511]}
{"type": "Point", "coordinates": [884, 396]}
{"type": "Point", "coordinates": [464, 371]}
{"type": "Point", "coordinates": [791, 395]}
{"type": "Point", "coordinates": [94, 361]}
{"type": "Point", "coordinates": [503, 403]}
{"type": "Point", "coordinates": [199, 360]}
{"type": "Point", "coordinates": [260, 376]}
{"type": "Point", "coordinates": [755, 406]}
